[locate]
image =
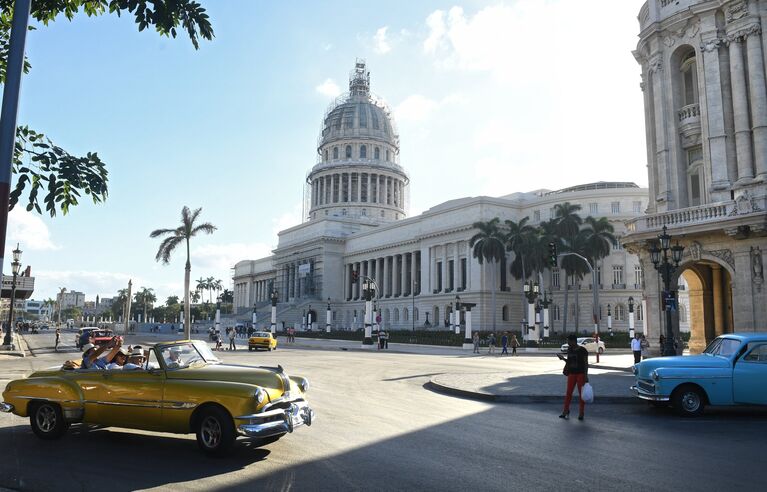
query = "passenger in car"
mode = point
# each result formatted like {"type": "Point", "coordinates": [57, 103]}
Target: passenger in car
{"type": "Point", "coordinates": [135, 359]}
{"type": "Point", "coordinates": [91, 354]}
{"type": "Point", "coordinates": [174, 358]}
{"type": "Point", "coordinates": [119, 360]}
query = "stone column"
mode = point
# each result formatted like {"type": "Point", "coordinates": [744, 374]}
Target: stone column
{"type": "Point", "coordinates": [368, 197]}
{"type": "Point", "coordinates": [403, 275]}
{"type": "Point", "coordinates": [425, 287]}
{"type": "Point", "coordinates": [716, 281]}
{"type": "Point", "coordinates": [385, 276]}
{"type": "Point", "coordinates": [758, 93]}
{"type": "Point", "coordinates": [359, 187]}
{"type": "Point", "coordinates": [457, 267]}
{"type": "Point", "coordinates": [740, 109]}
{"type": "Point", "coordinates": [714, 108]}
{"type": "Point", "coordinates": [347, 281]}
{"type": "Point", "coordinates": [661, 143]}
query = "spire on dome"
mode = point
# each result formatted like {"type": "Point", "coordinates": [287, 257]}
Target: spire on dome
{"type": "Point", "coordinates": [359, 79]}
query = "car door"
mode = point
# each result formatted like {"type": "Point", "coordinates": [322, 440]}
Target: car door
{"type": "Point", "coordinates": [589, 344]}
{"type": "Point", "coordinates": [132, 398]}
{"type": "Point", "coordinates": [749, 376]}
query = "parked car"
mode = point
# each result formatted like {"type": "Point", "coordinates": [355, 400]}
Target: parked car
{"type": "Point", "coordinates": [102, 336]}
{"type": "Point", "coordinates": [590, 344]}
{"type": "Point", "coordinates": [183, 388]}
{"type": "Point", "coordinates": [262, 339]}
{"type": "Point", "coordinates": [731, 371]}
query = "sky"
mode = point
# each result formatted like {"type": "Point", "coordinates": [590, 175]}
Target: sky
{"type": "Point", "coordinates": [490, 98]}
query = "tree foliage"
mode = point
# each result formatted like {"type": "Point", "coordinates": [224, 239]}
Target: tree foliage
{"type": "Point", "coordinates": [39, 164]}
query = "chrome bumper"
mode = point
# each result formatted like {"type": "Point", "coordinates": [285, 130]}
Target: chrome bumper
{"type": "Point", "coordinates": [6, 407]}
{"type": "Point", "coordinates": [276, 422]}
{"type": "Point", "coordinates": [640, 393]}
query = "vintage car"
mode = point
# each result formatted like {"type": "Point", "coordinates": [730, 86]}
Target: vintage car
{"type": "Point", "coordinates": [101, 336]}
{"type": "Point", "coordinates": [589, 343]}
{"type": "Point", "coordinates": [80, 339]}
{"type": "Point", "coordinates": [731, 371]}
{"type": "Point", "coordinates": [262, 339]}
{"type": "Point", "coordinates": [182, 388]}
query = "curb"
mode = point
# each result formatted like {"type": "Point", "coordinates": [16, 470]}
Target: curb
{"type": "Point", "coordinates": [473, 395]}
{"type": "Point", "coordinates": [20, 344]}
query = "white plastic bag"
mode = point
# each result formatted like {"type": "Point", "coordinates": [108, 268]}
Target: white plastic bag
{"type": "Point", "coordinates": [587, 393]}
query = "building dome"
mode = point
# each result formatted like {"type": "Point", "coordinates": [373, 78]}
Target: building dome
{"type": "Point", "coordinates": [358, 172]}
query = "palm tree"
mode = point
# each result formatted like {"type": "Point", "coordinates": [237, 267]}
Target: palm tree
{"type": "Point", "coordinates": [227, 296]}
{"type": "Point", "coordinates": [488, 245]}
{"type": "Point", "coordinates": [218, 285]}
{"type": "Point", "coordinates": [201, 285]}
{"type": "Point", "coordinates": [575, 266]}
{"type": "Point", "coordinates": [182, 234]}
{"type": "Point", "coordinates": [519, 239]}
{"type": "Point", "coordinates": [568, 224]}
{"type": "Point", "coordinates": [210, 283]}
{"type": "Point", "coordinates": [145, 298]}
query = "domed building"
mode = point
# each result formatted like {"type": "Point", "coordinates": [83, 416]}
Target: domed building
{"type": "Point", "coordinates": [705, 99]}
{"type": "Point", "coordinates": [356, 226]}
{"type": "Point", "coordinates": [358, 173]}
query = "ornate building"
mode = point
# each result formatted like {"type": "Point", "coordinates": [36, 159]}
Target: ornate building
{"type": "Point", "coordinates": [356, 221]}
{"type": "Point", "coordinates": [705, 97]}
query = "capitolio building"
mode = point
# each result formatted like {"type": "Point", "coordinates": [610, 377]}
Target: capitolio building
{"type": "Point", "coordinates": [356, 224]}
{"type": "Point", "coordinates": [705, 98]}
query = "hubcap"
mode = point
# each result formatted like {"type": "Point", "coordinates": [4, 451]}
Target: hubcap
{"type": "Point", "coordinates": [46, 418]}
{"type": "Point", "coordinates": [210, 432]}
{"type": "Point", "coordinates": [691, 401]}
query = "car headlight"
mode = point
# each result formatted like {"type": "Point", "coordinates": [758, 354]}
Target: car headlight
{"type": "Point", "coordinates": [260, 395]}
{"type": "Point", "coordinates": [655, 375]}
{"type": "Point", "coordinates": [304, 385]}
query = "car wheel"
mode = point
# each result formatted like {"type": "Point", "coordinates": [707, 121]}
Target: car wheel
{"type": "Point", "coordinates": [688, 401]}
{"type": "Point", "coordinates": [601, 350]}
{"type": "Point", "coordinates": [47, 420]}
{"type": "Point", "coordinates": [215, 431]}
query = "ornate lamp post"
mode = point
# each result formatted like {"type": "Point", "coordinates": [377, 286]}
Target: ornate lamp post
{"type": "Point", "coordinates": [15, 267]}
{"type": "Point", "coordinates": [531, 293]}
{"type": "Point", "coordinates": [666, 269]}
{"type": "Point", "coordinates": [274, 297]}
{"type": "Point", "coordinates": [631, 317]}
{"type": "Point", "coordinates": [309, 319]}
{"type": "Point", "coordinates": [546, 303]}
{"type": "Point", "coordinates": [255, 316]}
{"type": "Point", "coordinates": [367, 342]}
{"type": "Point", "coordinates": [457, 315]}
{"type": "Point", "coordinates": [609, 320]}
{"type": "Point", "coordinates": [327, 318]}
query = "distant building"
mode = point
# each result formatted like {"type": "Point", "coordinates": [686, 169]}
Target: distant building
{"type": "Point", "coordinates": [37, 308]}
{"type": "Point", "coordinates": [70, 299]}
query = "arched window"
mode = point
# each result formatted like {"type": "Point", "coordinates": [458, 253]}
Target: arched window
{"type": "Point", "coordinates": [348, 151]}
{"type": "Point", "coordinates": [555, 313]}
{"type": "Point", "coordinates": [436, 316]}
{"type": "Point", "coordinates": [374, 118]}
{"type": "Point", "coordinates": [343, 211]}
{"type": "Point", "coordinates": [326, 155]}
{"type": "Point", "coordinates": [689, 71]}
{"type": "Point", "coordinates": [620, 312]}
{"type": "Point", "coordinates": [505, 313]}
{"type": "Point", "coordinates": [387, 155]}
{"type": "Point", "coordinates": [415, 314]}
{"type": "Point", "coordinates": [364, 212]}
{"type": "Point", "coordinates": [396, 315]}
{"type": "Point", "coordinates": [387, 316]}
{"type": "Point", "coordinates": [376, 153]}
{"type": "Point", "coordinates": [363, 151]}
{"type": "Point", "coordinates": [335, 152]}
{"type": "Point", "coordinates": [405, 314]}
{"type": "Point", "coordinates": [639, 312]}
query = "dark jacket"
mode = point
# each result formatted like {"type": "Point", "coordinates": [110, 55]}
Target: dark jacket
{"type": "Point", "coordinates": [577, 361]}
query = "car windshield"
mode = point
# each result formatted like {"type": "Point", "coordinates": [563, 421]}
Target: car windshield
{"type": "Point", "coordinates": [181, 355]}
{"type": "Point", "coordinates": [723, 347]}
{"type": "Point", "coordinates": [261, 334]}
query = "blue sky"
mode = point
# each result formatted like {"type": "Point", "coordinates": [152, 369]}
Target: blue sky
{"type": "Point", "coordinates": [489, 97]}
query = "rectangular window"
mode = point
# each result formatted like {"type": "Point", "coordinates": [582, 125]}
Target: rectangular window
{"type": "Point", "coordinates": [345, 187]}
{"type": "Point", "coordinates": [335, 188]}
{"type": "Point", "coordinates": [355, 187]}
{"type": "Point", "coordinates": [555, 277]}
{"type": "Point", "coordinates": [637, 275]}
{"type": "Point", "coordinates": [593, 208]}
{"type": "Point", "coordinates": [617, 274]}
{"type": "Point", "coordinates": [373, 188]}
{"type": "Point", "coordinates": [637, 207]}
{"type": "Point", "coordinates": [439, 276]}
{"type": "Point", "coordinates": [615, 207]}
{"type": "Point", "coordinates": [463, 273]}
{"type": "Point", "coordinates": [694, 155]}
{"type": "Point", "coordinates": [364, 187]}
{"type": "Point", "coordinates": [451, 274]}
{"type": "Point", "coordinates": [537, 216]}
{"type": "Point", "coordinates": [695, 189]}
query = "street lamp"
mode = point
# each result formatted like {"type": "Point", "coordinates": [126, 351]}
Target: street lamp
{"type": "Point", "coordinates": [274, 298]}
{"type": "Point", "coordinates": [531, 291]}
{"type": "Point", "coordinates": [412, 313]}
{"type": "Point", "coordinates": [15, 266]}
{"type": "Point", "coordinates": [309, 319]}
{"type": "Point", "coordinates": [327, 318]}
{"type": "Point", "coordinates": [666, 269]}
{"type": "Point", "coordinates": [457, 315]}
{"type": "Point", "coordinates": [546, 303]}
{"type": "Point", "coordinates": [609, 320]}
{"type": "Point", "coordinates": [631, 317]}
{"type": "Point", "coordinates": [367, 342]}
{"type": "Point", "coordinates": [255, 316]}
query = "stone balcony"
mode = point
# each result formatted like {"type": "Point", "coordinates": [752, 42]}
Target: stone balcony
{"type": "Point", "coordinates": [689, 119]}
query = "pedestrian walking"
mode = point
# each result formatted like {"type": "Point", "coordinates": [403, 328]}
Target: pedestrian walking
{"type": "Point", "coordinates": [232, 336]}
{"type": "Point", "coordinates": [491, 344]}
{"type": "Point", "coordinates": [636, 348]}
{"type": "Point", "coordinates": [475, 339]}
{"type": "Point", "coordinates": [577, 371]}
{"type": "Point", "coordinates": [645, 347]}
{"type": "Point", "coordinates": [505, 343]}
{"type": "Point", "coordinates": [514, 344]}
{"type": "Point", "coordinates": [58, 339]}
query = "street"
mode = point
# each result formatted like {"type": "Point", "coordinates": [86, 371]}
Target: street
{"type": "Point", "coordinates": [379, 428]}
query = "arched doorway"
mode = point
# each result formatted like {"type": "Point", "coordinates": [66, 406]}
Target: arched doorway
{"type": "Point", "coordinates": [709, 288]}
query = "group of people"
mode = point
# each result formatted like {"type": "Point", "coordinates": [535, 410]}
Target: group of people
{"type": "Point", "coordinates": [383, 340]}
{"type": "Point", "coordinates": [290, 335]}
{"type": "Point", "coordinates": [640, 347]}
{"type": "Point", "coordinates": [117, 357]}
{"type": "Point", "coordinates": [492, 340]}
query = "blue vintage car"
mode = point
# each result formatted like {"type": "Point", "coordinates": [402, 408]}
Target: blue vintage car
{"type": "Point", "coordinates": [731, 371]}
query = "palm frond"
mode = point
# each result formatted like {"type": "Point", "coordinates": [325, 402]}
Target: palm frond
{"type": "Point", "coordinates": [167, 247]}
{"type": "Point", "coordinates": [207, 228]}
{"type": "Point", "coordinates": [161, 232]}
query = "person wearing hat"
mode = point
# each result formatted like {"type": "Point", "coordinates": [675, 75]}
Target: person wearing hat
{"type": "Point", "coordinates": [174, 359]}
{"type": "Point", "coordinates": [91, 353]}
{"type": "Point", "coordinates": [135, 359]}
{"type": "Point", "coordinates": [119, 360]}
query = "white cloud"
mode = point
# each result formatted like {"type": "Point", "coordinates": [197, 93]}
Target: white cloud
{"type": "Point", "coordinates": [328, 88]}
{"type": "Point", "coordinates": [436, 24]}
{"type": "Point", "coordinates": [328, 47]}
{"type": "Point", "coordinates": [287, 220]}
{"type": "Point", "coordinates": [417, 107]}
{"type": "Point", "coordinates": [29, 231]}
{"type": "Point", "coordinates": [380, 43]}
{"type": "Point", "coordinates": [222, 257]}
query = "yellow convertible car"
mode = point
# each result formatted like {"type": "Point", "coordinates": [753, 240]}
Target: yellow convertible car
{"type": "Point", "coordinates": [182, 387]}
{"type": "Point", "coordinates": [262, 339]}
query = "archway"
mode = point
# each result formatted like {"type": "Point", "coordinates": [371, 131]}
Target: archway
{"type": "Point", "coordinates": [709, 288]}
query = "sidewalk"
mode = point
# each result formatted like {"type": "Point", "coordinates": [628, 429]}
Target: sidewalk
{"type": "Point", "coordinates": [18, 347]}
{"type": "Point", "coordinates": [541, 381]}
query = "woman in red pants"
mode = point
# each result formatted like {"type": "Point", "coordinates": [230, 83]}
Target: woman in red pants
{"type": "Point", "coordinates": [577, 372]}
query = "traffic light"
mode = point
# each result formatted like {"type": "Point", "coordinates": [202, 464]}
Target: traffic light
{"type": "Point", "coordinates": [552, 255]}
{"type": "Point", "coordinates": [355, 276]}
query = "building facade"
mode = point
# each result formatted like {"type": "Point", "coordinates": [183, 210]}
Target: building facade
{"type": "Point", "coordinates": [357, 221]}
{"type": "Point", "coordinates": [70, 299]}
{"type": "Point", "coordinates": [705, 98]}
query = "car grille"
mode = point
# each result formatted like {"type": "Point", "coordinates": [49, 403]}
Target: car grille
{"type": "Point", "coordinates": [646, 386]}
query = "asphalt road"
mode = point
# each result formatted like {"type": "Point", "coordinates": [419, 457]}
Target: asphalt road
{"type": "Point", "coordinates": [379, 428]}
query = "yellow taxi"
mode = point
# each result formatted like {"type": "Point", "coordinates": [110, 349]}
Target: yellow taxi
{"type": "Point", "coordinates": [262, 339]}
